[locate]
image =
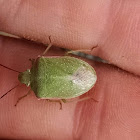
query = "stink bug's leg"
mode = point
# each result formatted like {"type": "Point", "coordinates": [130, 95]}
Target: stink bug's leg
{"type": "Point", "coordinates": [57, 101]}
{"type": "Point", "coordinates": [48, 47]}
{"type": "Point", "coordinates": [63, 100]}
{"type": "Point", "coordinates": [86, 98]}
{"type": "Point", "coordinates": [19, 99]}
{"type": "Point", "coordinates": [80, 100]}
{"type": "Point", "coordinates": [82, 50]}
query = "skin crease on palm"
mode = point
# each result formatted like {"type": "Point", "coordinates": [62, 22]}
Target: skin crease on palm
{"type": "Point", "coordinates": [115, 27]}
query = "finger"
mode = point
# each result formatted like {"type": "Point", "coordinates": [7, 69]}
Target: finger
{"type": "Point", "coordinates": [81, 24]}
{"type": "Point", "coordinates": [115, 115]}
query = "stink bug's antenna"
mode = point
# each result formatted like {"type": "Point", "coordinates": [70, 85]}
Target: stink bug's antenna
{"type": "Point", "coordinates": [9, 91]}
{"type": "Point", "coordinates": [9, 68]}
{"type": "Point", "coordinates": [14, 86]}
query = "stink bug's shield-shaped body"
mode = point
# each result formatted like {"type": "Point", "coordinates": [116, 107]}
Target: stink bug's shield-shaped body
{"type": "Point", "coordinates": [59, 77]}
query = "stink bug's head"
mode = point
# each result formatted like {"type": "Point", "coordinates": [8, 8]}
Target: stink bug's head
{"type": "Point", "coordinates": [24, 77]}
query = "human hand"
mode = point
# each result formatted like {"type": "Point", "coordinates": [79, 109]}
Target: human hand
{"type": "Point", "coordinates": [73, 25]}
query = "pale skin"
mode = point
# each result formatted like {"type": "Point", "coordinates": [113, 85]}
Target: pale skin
{"type": "Point", "coordinates": [75, 25]}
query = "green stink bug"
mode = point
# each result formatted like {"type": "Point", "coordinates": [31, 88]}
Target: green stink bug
{"type": "Point", "coordinates": [58, 78]}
